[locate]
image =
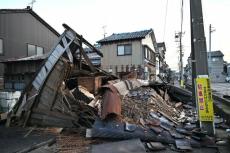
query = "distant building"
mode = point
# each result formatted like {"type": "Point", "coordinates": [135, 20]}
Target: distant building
{"type": "Point", "coordinates": [23, 33]}
{"type": "Point", "coordinates": [228, 69]}
{"type": "Point", "coordinates": [216, 66]}
{"type": "Point", "coordinates": [129, 52]}
{"type": "Point", "coordinates": [93, 56]}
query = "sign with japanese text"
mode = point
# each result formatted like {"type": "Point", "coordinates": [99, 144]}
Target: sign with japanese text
{"type": "Point", "coordinates": [204, 98]}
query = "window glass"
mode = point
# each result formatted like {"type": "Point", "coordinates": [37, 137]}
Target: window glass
{"type": "Point", "coordinates": [1, 46]}
{"type": "Point", "coordinates": [128, 49]}
{"type": "Point", "coordinates": [39, 50]}
{"type": "Point", "coordinates": [31, 50]}
{"type": "Point", "coordinates": [120, 50]}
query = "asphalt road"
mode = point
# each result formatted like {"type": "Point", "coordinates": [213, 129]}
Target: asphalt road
{"type": "Point", "coordinates": [221, 88]}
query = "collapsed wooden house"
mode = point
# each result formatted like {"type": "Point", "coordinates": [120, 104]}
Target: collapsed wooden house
{"type": "Point", "coordinates": [47, 100]}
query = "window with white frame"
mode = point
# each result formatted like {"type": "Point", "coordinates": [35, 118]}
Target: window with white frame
{"type": "Point", "coordinates": [125, 49]}
{"type": "Point", "coordinates": [1, 46]}
{"type": "Point", "coordinates": [31, 50]}
{"type": "Point", "coordinates": [34, 50]}
{"type": "Point", "coordinates": [40, 50]}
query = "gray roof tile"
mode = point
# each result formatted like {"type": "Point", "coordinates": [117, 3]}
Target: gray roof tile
{"type": "Point", "coordinates": [125, 36]}
{"type": "Point", "coordinates": [216, 53]}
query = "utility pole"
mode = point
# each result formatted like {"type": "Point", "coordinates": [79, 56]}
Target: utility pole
{"type": "Point", "coordinates": [199, 55]}
{"type": "Point", "coordinates": [178, 37]}
{"type": "Point", "coordinates": [181, 61]}
{"type": "Point", "coordinates": [181, 54]}
{"type": "Point", "coordinates": [211, 29]}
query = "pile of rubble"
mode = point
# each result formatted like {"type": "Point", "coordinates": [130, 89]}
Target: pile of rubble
{"type": "Point", "coordinates": [146, 116]}
{"type": "Point", "coordinates": [143, 100]}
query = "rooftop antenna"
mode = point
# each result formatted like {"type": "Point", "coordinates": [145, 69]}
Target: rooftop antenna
{"type": "Point", "coordinates": [104, 29]}
{"type": "Point", "coordinates": [32, 3]}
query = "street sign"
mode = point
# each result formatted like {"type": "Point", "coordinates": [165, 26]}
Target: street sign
{"type": "Point", "coordinates": [204, 99]}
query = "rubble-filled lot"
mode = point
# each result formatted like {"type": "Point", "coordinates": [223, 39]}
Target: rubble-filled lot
{"type": "Point", "coordinates": [85, 109]}
{"type": "Point", "coordinates": [145, 117]}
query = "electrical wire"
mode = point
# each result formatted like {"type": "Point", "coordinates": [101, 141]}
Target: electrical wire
{"type": "Point", "coordinates": [182, 15]}
{"type": "Point", "coordinates": [165, 21]}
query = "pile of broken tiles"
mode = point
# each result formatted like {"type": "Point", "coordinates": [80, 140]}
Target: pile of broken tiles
{"type": "Point", "coordinates": [150, 116]}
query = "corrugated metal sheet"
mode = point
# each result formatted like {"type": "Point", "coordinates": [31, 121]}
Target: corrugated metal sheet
{"type": "Point", "coordinates": [20, 27]}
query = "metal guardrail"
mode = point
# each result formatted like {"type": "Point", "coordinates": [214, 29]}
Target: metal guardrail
{"type": "Point", "coordinates": [215, 96]}
{"type": "Point", "coordinates": [219, 104]}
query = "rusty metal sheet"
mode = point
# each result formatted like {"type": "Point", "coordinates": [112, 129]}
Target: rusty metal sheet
{"type": "Point", "coordinates": [111, 102]}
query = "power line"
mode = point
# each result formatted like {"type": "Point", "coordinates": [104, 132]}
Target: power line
{"type": "Point", "coordinates": [182, 15]}
{"type": "Point", "coordinates": [166, 13]}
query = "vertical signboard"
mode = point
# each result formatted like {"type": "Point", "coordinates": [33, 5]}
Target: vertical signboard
{"type": "Point", "coordinates": [204, 99]}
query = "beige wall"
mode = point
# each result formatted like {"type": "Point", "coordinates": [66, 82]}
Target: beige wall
{"type": "Point", "coordinates": [110, 55]}
{"type": "Point", "coordinates": [148, 41]}
{"type": "Point", "coordinates": [110, 59]}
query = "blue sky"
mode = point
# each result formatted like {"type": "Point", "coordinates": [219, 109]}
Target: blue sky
{"type": "Point", "coordinates": [88, 17]}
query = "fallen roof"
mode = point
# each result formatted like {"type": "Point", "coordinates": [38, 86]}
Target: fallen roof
{"type": "Point", "coordinates": [126, 36]}
{"type": "Point", "coordinates": [29, 10]}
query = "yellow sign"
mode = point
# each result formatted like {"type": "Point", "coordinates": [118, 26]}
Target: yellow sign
{"type": "Point", "coordinates": [182, 83]}
{"type": "Point", "coordinates": [204, 98]}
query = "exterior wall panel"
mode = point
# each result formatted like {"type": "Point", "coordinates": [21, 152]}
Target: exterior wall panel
{"type": "Point", "coordinates": [19, 29]}
{"type": "Point", "coordinates": [111, 59]}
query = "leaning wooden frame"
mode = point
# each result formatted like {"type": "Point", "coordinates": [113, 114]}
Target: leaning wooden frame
{"type": "Point", "coordinates": [46, 101]}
